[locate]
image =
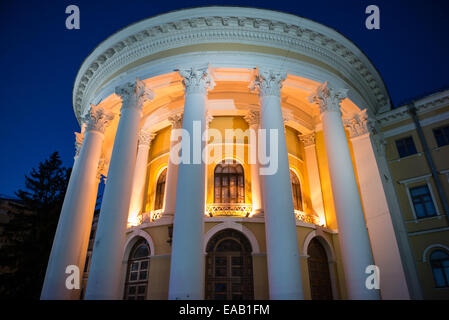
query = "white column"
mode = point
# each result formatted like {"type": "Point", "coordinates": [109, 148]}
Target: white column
{"type": "Point", "coordinates": [187, 260]}
{"type": "Point", "coordinates": [140, 174]}
{"type": "Point", "coordinates": [284, 271]}
{"type": "Point", "coordinates": [172, 172]}
{"type": "Point", "coordinates": [253, 119]}
{"type": "Point", "coordinates": [353, 235]}
{"type": "Point", "coordinates": [104, 275]}
{"type": "Point", "coordinates": [316, 195]}
{"type": "Point", "coordinates": [77, 210]}
{"type": "Point", "coordinates": [393, 284]}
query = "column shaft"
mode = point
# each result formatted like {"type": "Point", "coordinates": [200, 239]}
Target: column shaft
{"type": "Point", "coordinates": [253, 119]}
{"type": "Point", "coordinates": [140, 173]}
{"type": "Point", "coordinates": [172, 173]}
{"type": "Point", "coordinates": [284, 272]}
{"type": "Point", "coordinates": [77, 212]}
{"type": "Point", "coordinates": [187, 258]}
{"type": "Point", "coordinates": [104, 275]}
{"type": "Point", "coordinates": [393, 283]}
{"type": "Point", "coordinates": [353, 234]}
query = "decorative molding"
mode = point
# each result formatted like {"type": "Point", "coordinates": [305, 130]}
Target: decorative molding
{"type": "Point", "coordinates": [424, 105]}
{"type": "Point", "coordinates": [268, 82]}
{"type": "Point", "coordinates": [357, 125]}
{"type": "Point", "coordinates": [97, 118]}
{"type": "Point", "coordinates": [134, 95]}
{"type": "Point", "coordinates": [79, 138]}
{"type": "Point", "coordinates": [327, 98]}
{"type": "Point", "coordinates": [225, 24]}
{"type": "Point", "coordinates": [176, 120]}
{"type": "Point", "coordinates": [196, 80]}
{"type": "Point", "coordinates": [145, 137]}
{"type": "Point", "coordinates": [307, 139]}
{"type": "Point", "coordinates": [252, 118]}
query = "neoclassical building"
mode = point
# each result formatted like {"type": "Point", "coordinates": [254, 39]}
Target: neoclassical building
{"type": "Point", "coordinates": [308, 223]}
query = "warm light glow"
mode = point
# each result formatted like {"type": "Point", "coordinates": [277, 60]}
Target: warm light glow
{"type": "Point", "coordinates": [304, 217]}
{"type": "Point", "coordinates": [133, 220]}
{"type": "Point", "coordinates": [322, 221]}
{"type": "Point", "coordinates": [229, 210]}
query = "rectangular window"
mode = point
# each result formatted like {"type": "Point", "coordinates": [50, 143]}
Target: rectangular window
{"type": "Point", "coordinates": [406, 147]}
{"type": "Point", "coordinates": [441, 136]}
{"type": "Point", "coordinates": [422, 202]}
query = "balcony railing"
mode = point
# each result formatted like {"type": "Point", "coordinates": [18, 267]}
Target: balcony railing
{"type": "Point", "coordinates": [229, 210]}
{"type": "Point", "coordinates": [302, 216]}
{"type": "Point", "coordinates": [150, 216]}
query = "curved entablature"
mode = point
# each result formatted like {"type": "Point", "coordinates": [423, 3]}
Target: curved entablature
{"type": "Point", "coordinates": [228, 37]}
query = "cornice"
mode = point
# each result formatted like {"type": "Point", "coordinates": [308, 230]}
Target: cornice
{"type": "Point", "coordinates": [423, 105]}
{"type": "Point", "coordinates": [173, 30]}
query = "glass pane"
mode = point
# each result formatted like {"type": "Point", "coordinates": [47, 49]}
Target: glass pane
{"type": "Point", "coordinates": [220, 287]}
{"type": "Point", "coordinates": [440, 255]}
{"type": "Point", "coordinates": [141, 252]}
{"type": "Point", "coordinates": [439, 277]}
{"type": "Point", "coordinates": [220, 261]}
{"type": "Point", "coordinates": [134, 266]}
{"type": "Point", "coordinates": [133, 276]}
{"type": "Point", "coordinates": [144, 265]}
{"type": "Point", "coordinates": [141, 289]}
{"type": "Point", "coordinates": [220, 272]}
{"type": "Point", "coordinates": [142, 275]}
{"type": "Point", "coordinates": [132, 290]}
{"type": "Point", "coordinates": [236, 272]}
{"type": "Point", "coordinates": [237, 260]}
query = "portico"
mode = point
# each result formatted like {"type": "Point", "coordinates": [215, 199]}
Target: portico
{"type": "Point", "coordinates": [315, 111]}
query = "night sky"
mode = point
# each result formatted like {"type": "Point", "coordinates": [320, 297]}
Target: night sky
{"type": "Point", "coordinates": [40, 59]}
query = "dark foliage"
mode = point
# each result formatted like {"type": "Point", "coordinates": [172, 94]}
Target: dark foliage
{"type": "Point", "coordinates": [30, 233]}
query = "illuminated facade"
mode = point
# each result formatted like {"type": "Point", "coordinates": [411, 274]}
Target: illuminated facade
{"type": "Point", "coordinates": [219, 229]}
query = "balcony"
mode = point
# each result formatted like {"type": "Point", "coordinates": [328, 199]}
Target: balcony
{"type": "Point", "coordinates": [303, 217]}
{"type": "Point", "coordinates": [150, 216]}
{"type": "Point", "coordinates": [229, 210]}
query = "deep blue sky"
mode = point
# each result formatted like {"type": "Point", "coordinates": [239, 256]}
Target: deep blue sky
{"type": "Point", "coordinates": [39, 60]}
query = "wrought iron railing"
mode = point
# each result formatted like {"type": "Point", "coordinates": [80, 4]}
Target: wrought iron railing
{"type": "Point", "coordinates": [150, 216]}
{"type": "Point", "coordinates": [229, 210]}
{"type": "Point", "coordinates": [302, 216]}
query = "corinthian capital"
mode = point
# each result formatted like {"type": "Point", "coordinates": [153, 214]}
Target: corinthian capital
{"type": "Point", "coordinates": [209, 118]}
{"type": "Point", "coordinates": [307, 139]}
{"type": "Point", "coordinates": [197, 80]}
{"type": "Point", "coordinates": [134, 95]}
{"type": "Point", "coordinates": [79, 138]}
{"type": "Point", "coordinates": [97, 118]}
{"type": "Point", "coordinates": [268, 82]}
{"type": "Point", "coordinates": [252, 118]}
{"type": "Point", "coordinates": [327, 98]}
{"type": "Point", "coordinates": [176, 120]}
{"type": "Point", "coordinates": [358, 124]}
{"type": "Point", "coordinates": [145, 137]}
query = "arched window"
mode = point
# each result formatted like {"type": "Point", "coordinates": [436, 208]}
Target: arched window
{"type": "Point", "coordinates": [439, 262]}
{"type": "Point", "coordinates": [137, 275]}
{"type": "Point", "coordinates": [296, 190]}
{"type": "Point", "coordinates": [229, 183]}
{"type": "Point", "coordinates": [229, 267]}
{"type": "Point", "coordinates": [160, 190]}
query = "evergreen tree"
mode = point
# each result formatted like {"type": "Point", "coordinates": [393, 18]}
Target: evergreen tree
{"type": "Point", "coordinates": [30, 234]}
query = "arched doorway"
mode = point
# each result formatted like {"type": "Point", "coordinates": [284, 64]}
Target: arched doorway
{"type": "Point", "coordinates": [320, 280]}
{"type": "Point", "coordinates": [229, 267]}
